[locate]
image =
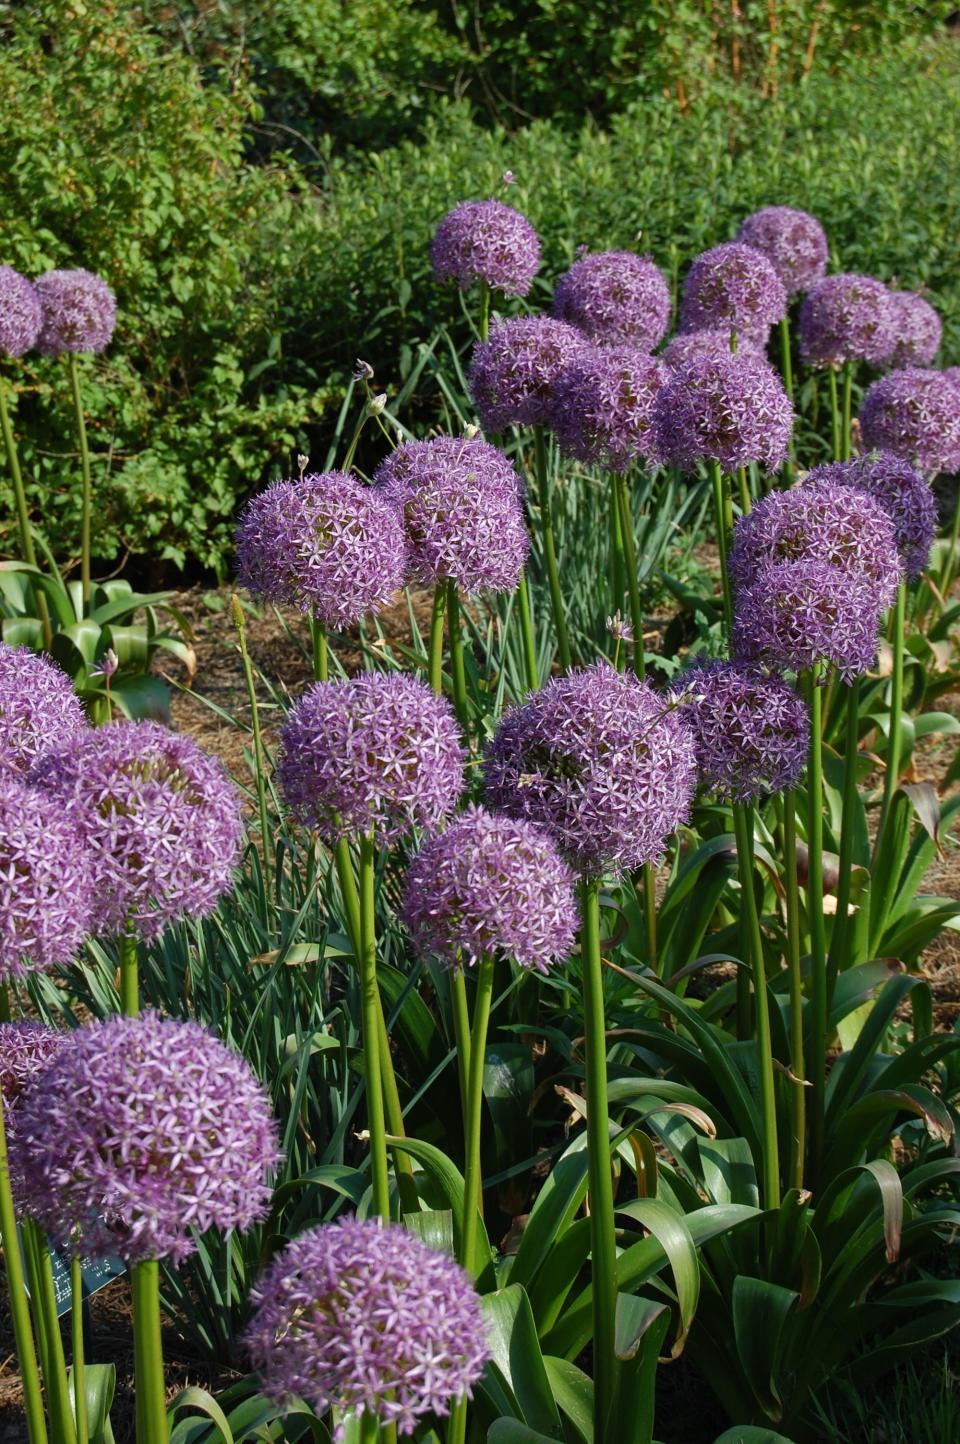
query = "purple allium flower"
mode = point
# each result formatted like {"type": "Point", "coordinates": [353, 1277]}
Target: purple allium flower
{"type": "Point", "coordinates": [905, 495]}
{"type": "Point", "coordinates": [364, 1317]}
{"type": "Point", "coordinates": [793, 242]}
{"type": "Point", "coordinates": [325, 544]}
{"type": "Point", "coordinates": [513, 374]}
{"type": "Point", "coordinates": [822, 522]}
{"type": "Point", "coordinates": [847, 318]}
{"type": "Point", "coordinates": [486, 241]}
{"type": "Point", "coordinates": [796, 613]}
{"type": "Point", "coordinates": [39, 710]}
{"type": "Point", "coordinates": [693, 344]}
{"type": "Point", "coordinates": [144, 1130]}
{"type": "Point", "coordinates": [161, 818]}
{"type": "Point", "coordinates": [78, 312]}
{"type": "Point", "coordinates": [603, 406]}
{"type": "Point", "coordinates": [916, 415]}
{"type": "Point", "coordinates": [918, 329]}
{"type": "Point", "coordinates": [46, 882]}
{"type": "Point", "coordinates": [376, 751]}
{"type": "Point", "coordinates": [491, 886]}
{"type": "Point", "coordinates": [461, 504]}
{"type": "Point", "coordinates": [19, 313]}
{"type": "Point", "coordinates": [26, 1049]}
{"type": "Point", "coordinates": [600, 761]}
{"type": "Point", "coordinates": [732, 287]}
{"type": "Point", "coordinates": [751, 730]}
{"type": "Point", "coordinates": [616, 297]}
{"type": "Point", "coordinates": [731, 408]}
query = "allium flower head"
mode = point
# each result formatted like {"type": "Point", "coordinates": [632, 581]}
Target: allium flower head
{"type": "Point", "coordinates": [732, 287]}
{"type": "Point", "coordinates": [460, 501]}
{"type": "Point", "coordinates": [793, 242]}
{"type": "Point", "coordinates": [514, 372]}
{"type": "Point", "coordinates": [822, 522]}
{"type": "Point", "coordinates": [603, 406]}
{"type": "Point", "coordinates": [616, 297]}
{"type": "Point", "coordinates": [905, 495]}
{"type": "Point", "coordinates": [39, 710]}
{"type": "Point", "coordinates": [26, 1049]}
{"type": "Point", "coordinates": [78, 312]}
{"type": "Point", "coordinates": [364, 1317]}
{"type": "Point", "coordinates": [751, 730]}
{"type": "Point", "coordinates": [918, 329]}
{"type": "Point", "coordinates": [325, 544]}
{"type": "Point", "coordinates": [731, 408]}
{"type": "Point", "coordinates": [46, 882]}
{"type": "Point", "coordinates": [690, 345]}
{"type": "Point", "coordinates": [916, 415]}
{"type": "Point", "coordinates": [847, 318]}
{"type": "Point", "coordinates": [797, 613]}
{"type": "Point", "coordinates": [486, 241]}
{"type": "Point", "coordinates": [491, 886]}
{"type": "Point", "coordinates": [19, 313]}
{"type": "Point", "coordinates": [379, 750]}
{"type": "Point", "coordinates": [146, 1129]}
{"type": "Point", "coordinates": [161, 818]}
{"type": "Point", "coordinates": [600, 761]}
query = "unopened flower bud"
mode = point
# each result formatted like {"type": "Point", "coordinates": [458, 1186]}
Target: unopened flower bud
{"type": "Point", "coordinates": [376, 404]}
{"type": "Point", "coordinates": [509, 179]}
{"type": "Point", "coordinates": [362, 371]}
{"type": "Point", "coordinates": [302, 462]}
{"type": "Point", "coordinates": [471, 431]}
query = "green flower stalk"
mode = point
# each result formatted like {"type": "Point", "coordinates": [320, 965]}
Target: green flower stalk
{"type": "Point", "coordinates": [818, 964]}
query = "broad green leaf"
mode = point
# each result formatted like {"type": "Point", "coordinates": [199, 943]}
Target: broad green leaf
{"type": "Point", "coordinates": [573, 1391]}
{"type": "Point", "coordinates": [450, 1180]}
{"type": "Point", "coordinates": [751, 1434]}
{"type": "Point", "coordinates": [515, 1350]}
{"type": "Point", "coordinates": [760, 1311]}
{"type": "Point", "coordinates": [670, 1229]}
{"type": "Point", "coordinates": [642, 1326]}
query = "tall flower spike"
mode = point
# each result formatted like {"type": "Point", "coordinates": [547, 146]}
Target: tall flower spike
{"type": "Point", "coordinates": [916, 415]}
{"type": "Point", "coordinates": [615, 297]}
{"type": "Point", "coordinates": [730, 408]}
{"type": "Point", "coordinates": [794, 614]}
{"type": "Point", "coordinates": [46, 882]}
{"type": "Point", "coordinates": [78, 312]}
{"type": "Point", "coordinates": [905, 495]}
{"type": "Point", "coordinates": [26, 1050]}
{"type": "Point", "coordinates": [733, 288]}
{"type": "Point", "coordinates": [513, 374]}
{"type": "Point", "coordinates": [39, 710]}
{"type": "Point", "coordinates": [19, 313]}
{"type": "Point", "coordinates": [793, 242]}
{"type": "Point", "coordinates": [847, 318]}
{"type": "Point", "coordinates": [486, 241]}
{"type": "Point", "coordinates": [603, 406]}
{"type": "Point", "coordinates": [918, 329]}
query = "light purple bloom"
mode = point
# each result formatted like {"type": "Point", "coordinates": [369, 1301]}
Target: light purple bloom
{"type": "Point", "coordinates": [486, 241]}
{"type": "Point", "coordinates": [731, 408]}
{"type": "Point", "coordinates": [616, 298]}
{"type": "Point", "coordinates": [603, 406]}
{"type": "Point", "coordinates": [794, 614]}
{"type": "Point", "coordinates": [46, 882]}
{"type": "Point", "coordinates": [691, 345]}
{"type": "Point", "coordinates": [916, 415]}
{"type": "Point", "coordinates": [793, 242]}
{"type": "Point", "coordinates": [26, 1049]}
{"type": "Point", "coordinates": [78, 312]}
{"type": "Point", "coordinates": [918, 329]}
{"type": "Point", "coordinates": [19, 313]}
{"type": "Point", "coordinates": [847, 318]}
{"type": "Point", "coordinates": [513, 373]}
{"type": "Point", "coordinates": [732, 287]}
{"type": "Point", "coordinates": [905, 495]}
{"type": "Point", "coordinates": [39, 710]}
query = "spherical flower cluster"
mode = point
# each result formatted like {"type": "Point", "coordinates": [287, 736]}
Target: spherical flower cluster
{"type": "Point", "coordinates": [731, 408]}
{"type": "Point", "coordinates": [363, 1317]}
{"type": "Point", "coordinates": [690, 345]}
{"type": "Point", "coordinates": [916, 415]}
{"type": "Point", "coordinates": [78, 312]}
{"type": "Point", "coordinates": [905, 495]}
{"type": "Point", "coordinates": [19, 313]}
{"type": "Point", "coordinates": [491, 886]}
{"type": "Point", "coordinates": [161, 818]}
{"type": "Point", "coordinates": [751, 730]}
{"type": "Point", "coordinates": [379, 751]}
{"type": "Point", "coordinates": [822, 522]}
{"type": "Point", "coordinates": [486, 241]}
{"type": "Point", "coordinates": [513, 373]}
{"type": "Point", "coordinates": [603, 406]}
{"type": "Point", "coordinates": [732, 287]}
{"type": "Point", "coordinates": [146, 1129]}
{"type": "Point", "coordinates": [39, 710]}
{"type": "Point", "coordinates": [46, 882]}
{"type": "Point", "coordinates": [600, 761]}
{"type": "Point", "coordinates": [325, 544]}
{"type": "Point", "coordinates": [793, 242]}
{"type": "Point", "coordinates": [918, 330]}
{"type": "Point", "coordinates": [460, 501]}
{"type": "Point", "coordinates": [26, 1050]}
{"type": "Point", "coordinates": [794, 614]}
{"type": "Point", "coordinates": [616, 297]}
{"type": "Point", "coordinates": [847, 318]}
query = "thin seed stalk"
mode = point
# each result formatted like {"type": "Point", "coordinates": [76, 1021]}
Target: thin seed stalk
{"type": "Point", "coordinates": [473, 1176]}
{"type": "Point", "coordinates": [23, 514]}
{"type": "Point", "coordinates": [79, 1366]}
{"type": "Point", "coordinates": [148, 1351]}
{"type": "Point", "coordinates": [798, 1097]}
{"type": "Point", "coordinates": [258, 753]}
{"type": "Point", "coordinates": [370, 994]}
{"type": "Point", "coordinates": [549, 547]}
{"type": "Point", "coordinates": [435, 656]}
{"type": "Point", "coordinates": [837, 958]}
{"type": "Point", "coordinates": [19, 1308]}
{"type": "Point", "coordinates": [633, 581]}
{"type": "Point", "coordinates": [818, 969]}
{"type": "Point", "coordinates": [87, 493]}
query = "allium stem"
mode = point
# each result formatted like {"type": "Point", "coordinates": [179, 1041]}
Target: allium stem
{"type": "Point", "coordinates": [436, 638]}
{"type": "Point", "coordinates": [838, 958]}
{"type": "Point", "coordinates": [460, 1012]}
{"type": "Point", "coordinates": [457, 670]}
{"type": "Point", "coordinates": [48, 1328]}
{"type": "Point", "coordinates": [744, 487]}
{"type": "Point", "coordinates": [891, 776]}
{"type": "Point", "coordinates": [847, 410]}
{"type": "Point", "coordinates": [798, 1098]}
{"type": "Point", "coordinates": [630, 564]}
{"type": "Point", "coordinates": [148, 1354]}
{"type": "Point", "coordinates": [836, 429]}
{"type": "Point", "coordinates": [617, 565]}
{"type": "Point", "coordinates": [19, 1309]}
{"type": "Point", "coordinates": [483, 325]}
{"type": "Point", "coordinates": [950, 560]}
{"type": "Point", "coordinates": [818, 969]}
{"type": "Point", "coordinates": [473, 1175]}
{"type": "Point", "coordinates": [526, 633]}
{"type": "Point", "coordinates": [129, 976]}
{"type": "Point", "coordinates": [76, 1335]}
{"type": "Point", "coordinates": [650, 913]}
{"type": "Point", "coordinates": [87, 496]}
{"type": "Point", "coordinates": [549, 547]}
{"type": "Point", "coordinates": [318, 638]}
{"type": "Point", "coordinates": [371, 1040]}
{"type": "Point", "coordinates": [786, 361]}
{"type": "Point", "coordinates": [369, 1428]}
{"type": "Point", "coordinates": [719, 511]}
{"type": "Point", "coordinates": [23, 515]}
{"type": "Point", "coordinates": [258, 753]}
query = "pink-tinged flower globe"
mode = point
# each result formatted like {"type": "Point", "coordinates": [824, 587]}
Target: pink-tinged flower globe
{"type": "Point", "coordinates": [78, 312]}
{"type": "Point", "coordinates": [793, 242]}
{"type": "Point", "coordinates": [615, 297]}
{"type": "Point", "coordinates": [847, 318]}
{"type": "Point", "coordinates": [823, 522]}
{"type": "Point", "coordinates": [486, 241]}
{"type": "Point", "coordinates": [26, 1050]}
{"type": "Point", "coordinates": [603, 406]}
{"type": "Point", "coordinates": [46, 882]}
{"type": "Point", "coordinates": [918, 327]}
{"type": "Point", "coordinates": [365, 1318]}
{"type": "Point", "coordinates": [461, 505]}
{"type": "Point", "coordinates": [690, 345]}
{"type": "Point", "coordinates": [601, 762]}
{"type": "Point", "coordinates": [39, 710]}
{"type": "Point", "coordinates": [794, 614]}
{"type": "Point", "coordinates": [161, 819]}
{"type": "Point", "coordinates": [491, 886]}
{"type": "Point", "coordinates": [19, 313]}
{"type": "Point", "coordinates": [379, 751]}
{"type": "Point", "coordinates": [732, 287]}
{"type": "Point", "coordinates": [145, 1131]}
{"type": "Point", "coordinates": [727, 407]}
{"type": "Point", "coordinates": [751, 730]}
{"type": "Point", "coordinates": [325, 544]}
{"type": "Point", "coordinates": [514, 372]}
{"type": "Point", "coordinates": [905, 495]}
{"type": "Point", "coordinates": [916, 415]}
